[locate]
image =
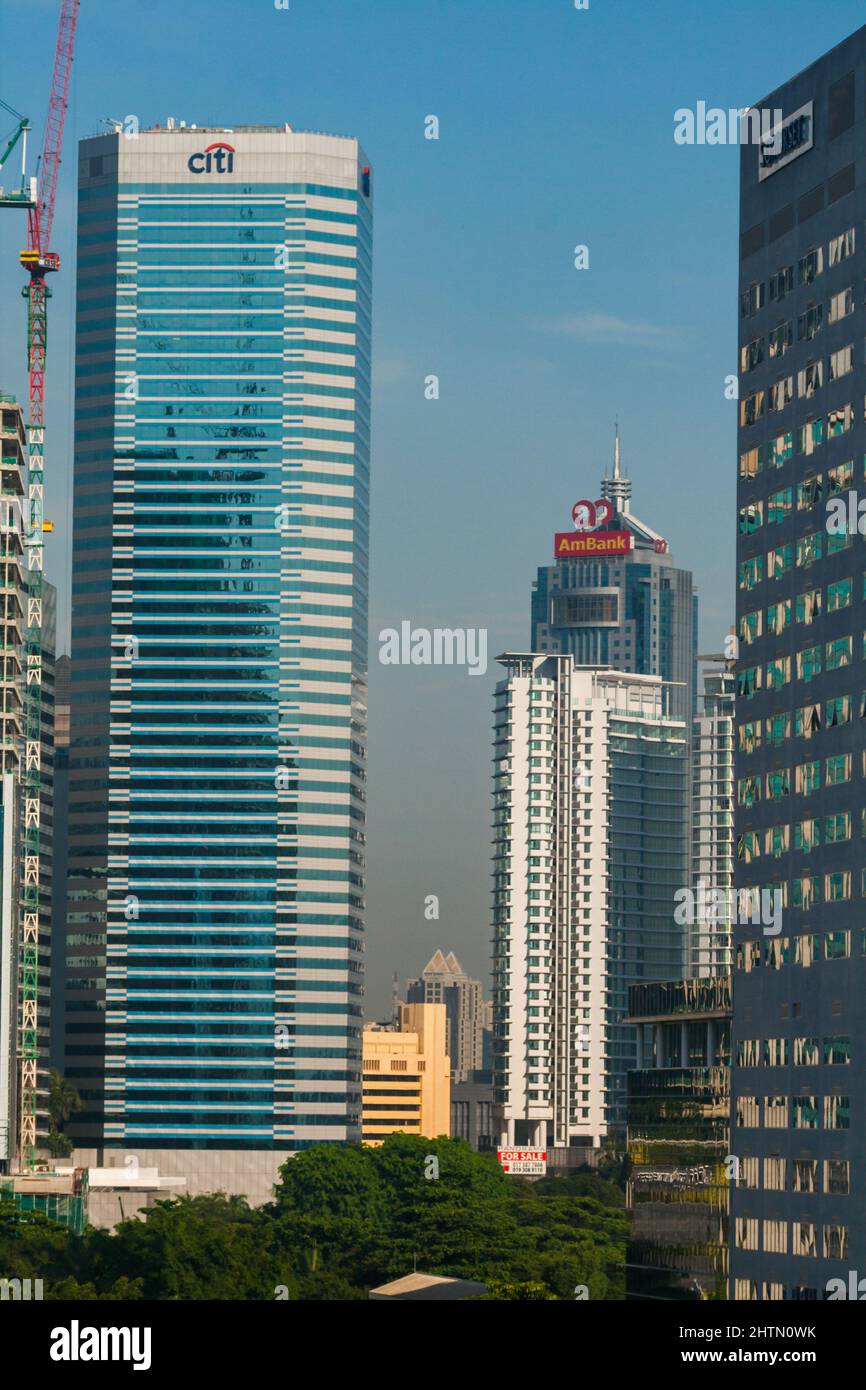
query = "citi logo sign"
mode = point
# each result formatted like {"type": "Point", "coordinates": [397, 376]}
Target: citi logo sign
{"type": "Point", "coordinates": [218, 158]}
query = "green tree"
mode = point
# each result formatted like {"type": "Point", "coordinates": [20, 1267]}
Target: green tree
{"type": "Point", "coordinates": [63, 1101]}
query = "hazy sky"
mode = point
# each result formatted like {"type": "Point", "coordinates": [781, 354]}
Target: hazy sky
{"type": "Point", "coordinates": [556, 129]}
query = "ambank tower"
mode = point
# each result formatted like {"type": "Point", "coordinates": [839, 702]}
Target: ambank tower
{"type": "Point", "coordinates": [219, 639]}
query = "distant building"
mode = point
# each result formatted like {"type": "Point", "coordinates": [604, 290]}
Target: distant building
{"type": "Point", "coordinates": [679, 1139]}
{"type": "Point", "coordinates": [590, 798]}
{"type": "Point", "coordinates": [444, 981]}
{"type": "Point", "coordinates": [709, 945]}
{"type": "Point", "coordinates": [407, 1075]}
{"type": "Point", "coordinates": [472, 1111]}
{"type": "Point", "coordinates": [635, 611]}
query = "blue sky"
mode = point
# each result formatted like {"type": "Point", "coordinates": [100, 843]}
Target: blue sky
{"type": "Point", "coordinates": [556, 129]}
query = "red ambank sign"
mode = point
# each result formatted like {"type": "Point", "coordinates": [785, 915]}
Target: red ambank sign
{"type": "Point", "coordinates": [591, 545]}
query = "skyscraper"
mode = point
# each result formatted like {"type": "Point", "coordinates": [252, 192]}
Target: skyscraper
{"type": "Point", "coordinates": [799, 1030]}
{"type": "Point", "coordinates": [14, 966]}
{"type": "Point", "coordinates": [634, 611]}
{"type": "Point", "coordinates": [13, 442]}
{"type": "Point", "coordinates": [709, 949]}
{"type": "Point", "coordinates": [217, 761]}
{"type": "Point", "coordinates": [444, 981]}
{"type": "Point", "coordinates": [590, 797]}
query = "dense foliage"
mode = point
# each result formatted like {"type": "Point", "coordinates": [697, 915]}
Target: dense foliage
{"type": "Point", "coordinates": [343, 1220]}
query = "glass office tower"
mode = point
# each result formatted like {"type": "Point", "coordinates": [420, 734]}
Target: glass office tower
{"type": "Point", "coordinates": [799, 1029]}
{"type": "Point", "coordinates": [217, 762]}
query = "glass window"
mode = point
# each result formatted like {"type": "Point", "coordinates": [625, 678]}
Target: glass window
{"type": "Point", "coordinates": [808, 663]}
{"type": "Point", "coordinates": [779, 340]}
{"type": "Point", "coordinates": [837, 1177]}
{"type": "Point", "coordinates": [839, 652]}
{"type": "Point", "coordinates": [809, 379]}
{"type": "Point", "coordinates": [840, 306]}
{"type": "Point", "coordinates": [837, 1052]}
{"type": "Point", "coordinates": [810, 436]}
{"type": "Point", "coordinates": [780, 393]}
{"type": "Point", "coordinates": [808, 607]}
{"type": "Point", "coordinates": [837, 1112]}
{"type": "Point", "coordinates": [809, 549]}
{"type": "Point", "coordinates": [751, 518]}
{"type": "Point", "coordinates": [809, 322]}
{"type": "Point", "coordinates": [835, 1241]}
{"type": "Point", "coordinates": [752, 354]}
{"type": "Point", "coordinates": [840, 478]}
{"type": "Point", "coordinates": [804, 1175]}
{"type": "Point", "coordinates": [841, 247]}
{"type": "Point", "coordinates": [782, 282]}
{"type": "Point", "coordinates": [779, 561]}
{"type": "Point", "coordinates": [840, 595]}
{"type": "Point", "coordinates": [811, 266]}
{"type": "Point", "coordinates": [804, 1242]}
{"type": "Point", "coordinates": [779, 506]}
{"type": "Point", "coordinates": [841, 362]}
{"type": "Point", "coordinates": [805, 1112]}
{"type": "Point", "coordinates": [807, 835]}
{"type": "Point", "coordinates": [779, 616]}
{"type": "Point", "coordinates": [809, 492]}
{"type": "Point", "coordinates": [776, 1052]}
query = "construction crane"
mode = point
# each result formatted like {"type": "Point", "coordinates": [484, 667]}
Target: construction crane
{"type": "Point", "coordinates": [38, 261]}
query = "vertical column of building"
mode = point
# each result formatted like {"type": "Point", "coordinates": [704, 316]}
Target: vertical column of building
{"type": "Point", "coordinates": [12, 616]}
{"type": "Point", "coordinates": [709, 949]}
{"type": "Point", "coordinates": [323, 661]}
{"type": "Point", "coordinates": [524, 851]}
{"type": "Point", "coordinates": [799, 1036]}
{"type": "Point", "coordinates": [96, 388]}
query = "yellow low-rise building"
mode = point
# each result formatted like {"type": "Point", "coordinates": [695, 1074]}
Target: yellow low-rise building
{"type": "Point", "coordinates": [407, 1075]}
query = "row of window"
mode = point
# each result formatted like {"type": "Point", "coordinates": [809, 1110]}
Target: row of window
{"type": "Point", "coordinates": [808, 835]}
{"type": "Point", "coordinates": [809, 948]}
{"type": "Point", "coordinates": [805, 609]}
{"type": "Point", "coordinates": [779, 339]}
{"type": "Point", "coordinates": [776, 452]}
{"type": "Point", "coordinates": [806, 1052]}
{"type": "Point", "coordinates": [807, 663]}
{"type": "Point", "coordinates": [782, 559]}
{"type": "Point", "coordinates": [809, 494]}
{"type": "Point", "coordinates": [809, 380]}
{"type": "Point", "coordinates": [803, 1238]}
{"type": "Point", "coordinates": [809, 267]}
{"type": "Point", "coordinates": [746, 1291]}
{"type": "Point", "coordinates": [780, 394]}
{"type": "Point", "coordinates": [776, 785]}
{"type": "Point", "coordinates": [793, 1112]}
{"type": "Point", "coordinates": [796, 1175]}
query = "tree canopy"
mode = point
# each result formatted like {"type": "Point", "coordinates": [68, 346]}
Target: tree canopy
{"type": "Point", "coordinates": [344, 1219]}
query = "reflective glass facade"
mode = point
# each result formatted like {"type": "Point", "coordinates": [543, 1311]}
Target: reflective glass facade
{"type": "Point", "coordinates": [217, 764]}
{"type": "Point", "coordinates": [799, 1035]}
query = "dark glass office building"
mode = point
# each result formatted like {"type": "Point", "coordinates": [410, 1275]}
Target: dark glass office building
{"type": "Point", "coordinates": [219, 629]}
{"type": "Point", "coordinates": [799, 1029]}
